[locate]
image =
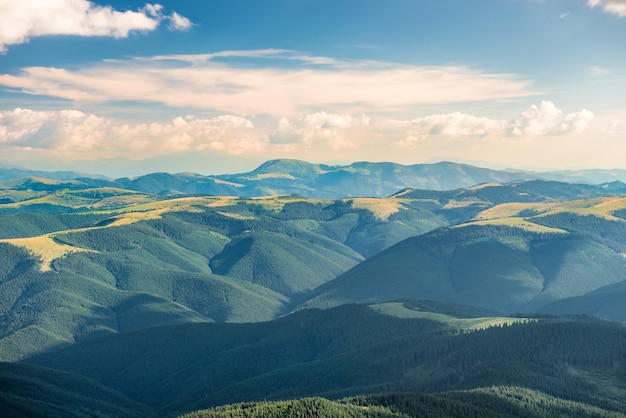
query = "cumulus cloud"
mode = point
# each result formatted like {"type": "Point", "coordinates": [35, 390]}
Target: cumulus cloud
{"type": "Point", "coordinates": [335, 131]}
{"type": "Point", "coordinates": [217, 82]}
{"type": "Point", "coordinates": [76, 134]}
{"type": "Point", "coordinates": [73, 133]}
{"type": "Point", "coordinates": [451, 124]}
{"type": "Point", "coordinates": [547, 119]}
{"type": "Point", "coordinates": [25, 19]}
{"type": "Point", "coordinates": [616, 7]}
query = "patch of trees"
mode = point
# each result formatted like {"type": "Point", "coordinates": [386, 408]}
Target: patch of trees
{"type": "Point", "coordinates": [605, 231]}
{"type": "Point", "coordinates": [15, 261]}
{"type": "Point", "coordinates": [500, 402]}
{"type": "Point", "coordinates": [620, 213]}
{"type": "Point", "coordinates": [26, 224]}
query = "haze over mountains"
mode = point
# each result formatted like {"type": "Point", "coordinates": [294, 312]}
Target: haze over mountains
{"type": "Point", "coordinates": [362, 179]}
{"type": "Point", "coordinates": [105, 279]}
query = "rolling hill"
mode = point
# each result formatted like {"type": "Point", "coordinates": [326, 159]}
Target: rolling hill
{"type": "Point", "coordinates": [349, 350]}
{"type": "Point", "coordinates": [496, 402]}
{"type": "Point", "coordinates": [168, 301]}
{"type": "Point", "coordinates": [512, 264]}
{"type": "Point", "coordinates": [111, 263]}
{"type": "Point", "coordinates": [107, 260]}
{"type": "Point", "coordinates": [31, 391]}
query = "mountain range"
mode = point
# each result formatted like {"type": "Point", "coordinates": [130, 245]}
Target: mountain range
{"type": "Point", "coordinates": [165, 296]}
{"type": "Point", "coordinates": [362, 179]}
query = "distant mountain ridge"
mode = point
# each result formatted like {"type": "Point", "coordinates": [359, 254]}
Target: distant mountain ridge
{"type": "Point", "coordinates": [362, 179]}
{"type": "Point", "coordinates": [11, 173]}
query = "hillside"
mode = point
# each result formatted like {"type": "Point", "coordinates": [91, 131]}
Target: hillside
{"type": "Point", "coordinates": [500, 402]}
{"type": "Point", "coordinates": [115, 261]}
{"type": "Point", "coordinates": [352, 350]}
{"type": "Point", "coordinates": [86, 262]}
{"type": "Point", "coordinates": [31, 391]}
{"type": "Point", "coordinates": [509, 263]}
{"type": "Point", "coordinates": [172, 302]}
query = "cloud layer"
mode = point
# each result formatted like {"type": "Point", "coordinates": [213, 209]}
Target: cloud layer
{"type": "Point", "coordinates": [25, 19]}
{"type": "Point", "coordinates": [74, 134]}
{"type": "Point", "coordinates": [279, 83]}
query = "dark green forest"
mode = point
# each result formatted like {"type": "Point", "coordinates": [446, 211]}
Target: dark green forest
{"type": "Point", "coordinates": [350, 350]}
{"type": "Point", "coordinates": [500, 401]}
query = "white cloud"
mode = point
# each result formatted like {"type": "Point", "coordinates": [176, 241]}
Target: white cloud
{"type": "Point", "coordinates": [453, 125]}
{"type": "Point", "coordinates": [335, 131]}
{"type": "Point", "coordinates": [616, 7]}
{"type": "Point", "coordinates": [73, 134]}
{"type": "Point", "coordinates": [322, 135]}
{"type": "Point", "coordinates": [212, 81]}
{"type": "Point", "coordinates": [25, 19]}
{"type": "Point", "coordinates": [547, 119]}
{"type": "Point", "coordinates": [564, 15]}
{"type": "Point", "coordinates": [178, 22]}
{"type": "Point", "coordinates": [542, 120]}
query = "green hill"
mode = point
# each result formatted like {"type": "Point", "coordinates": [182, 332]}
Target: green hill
{"type": "Point", "coordinates": [166, 261]}
{"type": "Point", "coordinates": [136, 279]}
{"type": "Point", "coordinates": [501, 267]}
{"type": "Point", "coordinates": [113, 260]}
{"type": "Point", "coordinates": [500, 402]}
{"type": "Point", "coordinates": [351, 350]}
{"type": "Point", "coordinates": [30, 391]}
{"type": "Point", "coordinates": [284, 264]}
{"type": "Point", "coordinates": [606, 302]}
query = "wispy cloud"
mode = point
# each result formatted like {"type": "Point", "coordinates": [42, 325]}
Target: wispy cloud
{"type": "Point", "coordinates": [564, 15]}
{"type": "Point", "coordinates": [23, 20]}
{"type": "Point", "coordinates": [598, 71]}
{"type": "Point", "coordinates": [275, 82]}
{"type": "Point", "coordinates": [616, 7]}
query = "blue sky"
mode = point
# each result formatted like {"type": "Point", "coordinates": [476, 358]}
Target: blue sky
{"type": "Point", "coordinates": [222, 85]}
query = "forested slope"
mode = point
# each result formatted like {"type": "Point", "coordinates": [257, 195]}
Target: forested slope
{"type": "Point", "coordinates": [352, 350]}
{"type": "Point", "coordinates": [500, 267]}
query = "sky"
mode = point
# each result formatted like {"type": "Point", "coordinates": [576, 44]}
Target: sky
{"type": "Point", "coordinates": [219, 86]}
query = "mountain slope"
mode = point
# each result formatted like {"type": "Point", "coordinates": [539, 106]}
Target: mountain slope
{"type": "Point", "coordinates": [114, 260]}
{"type": "Point", "coordinates": [71, 276]}
{"type": "Point", "coordinates": [494, 266]}
{"type": "Point", "coordinates": [30, 391]}
{"type": "Point", "coordinates": [280, 263]}
{"type": "Point", "coordinates": [349, 350]}
{"type": "Point", "coordinates": [496, 402]}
